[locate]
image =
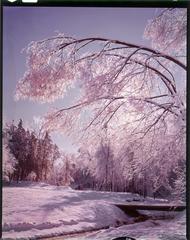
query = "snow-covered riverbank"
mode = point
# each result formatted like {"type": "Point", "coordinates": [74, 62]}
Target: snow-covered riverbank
{"type": "Point", "coordinates": [174, 229]}
{"type": "Point", "coordinates": [39, 210]}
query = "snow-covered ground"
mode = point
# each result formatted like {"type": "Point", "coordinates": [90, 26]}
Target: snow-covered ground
{"type": "Point", "coordinates": [38, 210]}
{"type": "Point", "coordinates": [149, 230]}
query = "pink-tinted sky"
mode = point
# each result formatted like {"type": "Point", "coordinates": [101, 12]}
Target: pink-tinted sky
{"type": "Point", "coordinates": [21, 25]}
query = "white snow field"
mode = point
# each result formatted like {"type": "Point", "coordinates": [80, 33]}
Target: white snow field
{"type": "Point", "coordinates": [36, 210]}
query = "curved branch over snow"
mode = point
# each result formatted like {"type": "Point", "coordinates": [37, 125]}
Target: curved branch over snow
{"type": "Point", "coordinates": [106, 70]}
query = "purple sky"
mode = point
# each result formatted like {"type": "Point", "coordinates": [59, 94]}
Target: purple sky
{"type": "Point", "coordinates": [21, 25]}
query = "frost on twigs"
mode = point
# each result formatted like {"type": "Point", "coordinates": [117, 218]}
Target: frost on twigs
{"type": "Point", "coordinates": [50, 71]}
{"type": "Point", "coordinates": [168, 31]}
{"type": "Point", "coordinates": [61, 121]}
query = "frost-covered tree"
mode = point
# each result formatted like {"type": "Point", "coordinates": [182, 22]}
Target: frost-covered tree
{"type": "Point", "coordinates": [115, 78]}
{"type": "Point", "coordinates": [32, 157]}
{"type": "Point", "coordinates": [17, 143]}
{"type": "Point", "coordinates": [179, 189]}
{"type": "Point", "coordinates": [105, 165]}
{"type": "Point", "coordinates": [84, 169]}
{"type": "Point", "coordinates": [168, 31]}
{"type": "Point", "coordinates": [46, 154]}
{"type": "Point", "coordinates": [126, 168]}
{"type": "Point", "coordinates": [63, 170]}
{"type": "Point", "coordinates": [134, 91]}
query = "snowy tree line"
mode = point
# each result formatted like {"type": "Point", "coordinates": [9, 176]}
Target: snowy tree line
{"type": "Point", "coordinates": [129, 168]}
{"type": "Point", "coordinates": [29, 157]}
{"type": "Point", "coordinates": [105, 167]}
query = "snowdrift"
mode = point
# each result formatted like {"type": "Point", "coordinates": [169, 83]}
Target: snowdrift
{"type": "Point", "coordinates": [33, 210]}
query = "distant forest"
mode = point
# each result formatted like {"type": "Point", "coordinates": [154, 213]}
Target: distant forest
{"type": "Point", "coordinates": [28, 156]}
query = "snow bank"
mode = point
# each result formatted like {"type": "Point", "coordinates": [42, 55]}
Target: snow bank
{"type": "Point", "coordinates": [36, 210]}
{"type": "Point", "coordinates": [149, 230]}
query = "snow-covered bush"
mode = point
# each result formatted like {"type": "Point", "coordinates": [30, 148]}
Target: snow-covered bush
{"type": "Point", "coordinates": [9, 163]}
{"type": "Point", "coordinates": [31, 176]}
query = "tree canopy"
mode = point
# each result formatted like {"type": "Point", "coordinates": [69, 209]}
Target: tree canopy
{"type": "Point", "coordinates": [115, 78]}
